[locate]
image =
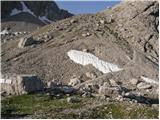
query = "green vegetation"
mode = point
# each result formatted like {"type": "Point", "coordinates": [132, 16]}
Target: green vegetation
{"type": "Point", "coordinates": [50, 107]}
{"type": "Point", "coordinates": [28, 104]}
{"type": "Point", "coordinates": [121, 111]}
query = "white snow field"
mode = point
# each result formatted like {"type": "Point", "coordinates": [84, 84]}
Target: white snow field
{"type": "Point", "coordinates": [84, 58]}
{"type": "Point", "coordinates": [15, 11]}
{"type": "Point", "coordinates": [45, 19]}
{"type": "Point", "coordinates": [148, 80]}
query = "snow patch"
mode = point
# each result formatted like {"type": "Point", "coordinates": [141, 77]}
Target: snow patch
{"type": "Point", "coordinates": [44, 19]}
{"type": "Point", "coordinates": [4, 32]}
{"type": "Point", "coordinates": [15, 11]}
{"type": "Point", "coordinates": [8, 81]}
{"type": "Point", "coordinates": [84, 58]}
{"type": "Point", "coordinates": [148, 80]}
{"type": "Point", "coordinates": [25, 9]}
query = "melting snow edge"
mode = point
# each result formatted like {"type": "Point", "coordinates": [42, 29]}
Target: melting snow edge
{"type": "Point", "coordinates": [84, 58]}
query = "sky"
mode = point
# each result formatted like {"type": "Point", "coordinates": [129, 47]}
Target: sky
{"type": "Point", "coordinates": [84, 7]}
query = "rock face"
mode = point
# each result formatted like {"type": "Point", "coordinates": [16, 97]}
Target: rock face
{"type": "Point", "coordinates": [137, 22]}
{"type": "Point", "coordinates": [30, 15]}
{"type": "Point", "coordinates": [38, 8]}
{"type": "Point", "coordinates": [21, 84]}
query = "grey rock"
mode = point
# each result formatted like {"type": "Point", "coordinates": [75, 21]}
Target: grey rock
{"type": "Point", "coordinates": [72, 100]}
{"type": "Point", "coordinates": [86, 94]}
{"type": "Point", "coordinates": [119, 98]}
{"type": "Point", "coordinates": [134, 81]}
{"type": "Point", "coordinates": [143, 85]}
{"type": "Point", "coordinates": [73, 21]}
{"type": "Point", "coordinates": [85, 50]}
{"type": "Point", "coordinates": [91, 75]}
{"type": "Point", "coordinates": [68, 90]}
{"type": "Point", "coordinates": [86, 34]}
{"type": "Point", "coordinates": [74, 81]}
{"type": "Point", "coordinates": [52, 84]}
{"type": "Point", "coordinates": [129, 95]}
{"type": "Point", "coordinates": [108, 91]}
{"type": "Point", "coordinates": [22, 84]}
{"type": "Point", "coordinates": [113, 82]}
{"type": "Point", "coordinates": [26, 41]}
{"type": "Point", "coordinates": [102, 21]}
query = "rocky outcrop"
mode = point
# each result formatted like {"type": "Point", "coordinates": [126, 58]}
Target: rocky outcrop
{"type": "Point", "coordinates": [26, 41]}
{"type": "Point", "coordinates": [21, 84]}
{"type": "Point", "coordinates": [137, 22]}
{"type": "Point", "coordinates": [18, 16]}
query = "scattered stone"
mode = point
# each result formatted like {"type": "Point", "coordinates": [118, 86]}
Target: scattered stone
{"type": "Point", "coordinates": [54, 91]}
{"type": "Point", "coordinates": [68, 90]}
{"type": "Point", "coordinates": [60, 28]}
{"type": "Point", "coordinates": [86, 34]}
{"type": "Point", "coordinates": [85, 50]}
{"type": "Point", "coordinates": [106, 84]}
{"type": "Point", "coordinates": [73, 21]}
{"type": "Point", "coordinates": [59, 96]}
{"type": "Point", "coordinates": [74, 81]}
{"type": "Point", "coordinates": [26, 41]}
{"type": "Point", "coordinates": [126, 99]}
{"type": "Point", "coordinates": [97, 24]}
{"type": "Point", "coordinates": [86, 94]}
{"type": "Point", "coordinates": [108, 91]}
{"type": "Point", "coordinates": [91, 75]}
{"type": "Point", "coordinates": [46, 36]}
{"type": "Point", "coordinates": [52, 84]}
{"type": "Point", "coordinates": [143, 85]}
{"type": "Point", "coordinates": [97, 29]}
{"type": "Point", "coordinates": [3, 93]}
{"type": "Point", "coordinates": [129, 95]}
{"type": "Point", "coordinates": [119, 98]}
{"type": "Point", "coordinates": [109, 20]}
{"type": "Point", "coordinates": [113, 82]}
{"type": "Point", "coordinates": [134, 81]}
{"type": "Point", "coordinates": [72, 100]}
{"type": "Point", "coordinates": [92, 87]}
{"type": "Point", "coordinates": [102, 97]}
{"type": "Point", "coordinates": [102, 21]}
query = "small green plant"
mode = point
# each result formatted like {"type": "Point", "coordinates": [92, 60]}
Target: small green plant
{"type": "Point", "coordinates": [51, 107]}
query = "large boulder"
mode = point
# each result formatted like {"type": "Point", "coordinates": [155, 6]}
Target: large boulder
{"type": "Point", "coordinates": [74, 81]}
{"type": "Point", "coordinates": [21, 84]}
{"type": "Point", "coordinates": [26, 41]}
{"type": "Point", "coordinates": [108, 91]}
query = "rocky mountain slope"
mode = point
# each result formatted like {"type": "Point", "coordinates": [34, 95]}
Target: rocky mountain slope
{"type": "Point", "coordinates": [112, 53]}
{"type": "Point", "coordinates": [28, 15]}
